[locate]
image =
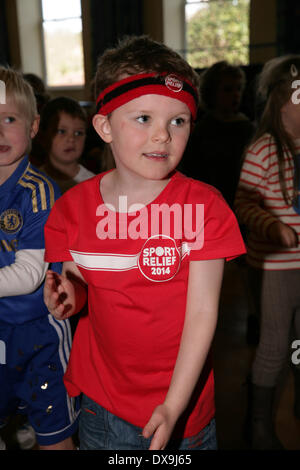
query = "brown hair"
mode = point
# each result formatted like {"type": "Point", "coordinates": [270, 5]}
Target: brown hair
{"type": "Point", "coordinates": [137, 54]}
{"type": "Point", "coordinates": [213, 76]}
{"type": "Point", "coordinates": [51, 115]}
{"type": "Point", "coordinates": [275, 89]}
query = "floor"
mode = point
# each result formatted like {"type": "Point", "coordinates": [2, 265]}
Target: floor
{"type": "Point", "coordinates": [232, 359]}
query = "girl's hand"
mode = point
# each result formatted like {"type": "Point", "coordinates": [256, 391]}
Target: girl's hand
{"type": "Point", "coordinates": [283, 235]}
{"type": "Point", "coordinates": [160, 426]}
{"type": "Point", "coordinates": [59, 295]}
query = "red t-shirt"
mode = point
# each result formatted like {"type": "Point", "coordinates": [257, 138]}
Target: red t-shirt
{"type": "Point", "coordinates": [136, 267]}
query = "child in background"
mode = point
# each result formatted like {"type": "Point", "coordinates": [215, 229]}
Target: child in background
{"type": "Point", "coordinates": [141, 355]}
{"type": "Point", "coordinates": [34, 346]}
{"type": "Point", "coordinates": [39, 90]}
{"type": "Point", "coordinates": [62, 136]}
{"type": "Point", "coordinates": [267, 202]}
{"type": "Point", "coordinates": [214, 154]}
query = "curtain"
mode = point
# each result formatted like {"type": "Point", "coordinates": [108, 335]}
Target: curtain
{"type": "Point", "coordinates": [112, 19]}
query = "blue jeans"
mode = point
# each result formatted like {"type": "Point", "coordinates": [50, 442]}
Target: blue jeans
{"type": "Point", "coordinates": [101, 430]}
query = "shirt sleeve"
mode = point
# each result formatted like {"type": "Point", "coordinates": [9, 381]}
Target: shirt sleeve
{"type": "Point", "coordinates": [220, 232]}
{"type": "Point", "coordinates": [251, 193]}
{"type": "Point", "coordinates": [25, 275]}
{"type": "Point", "coordinates": [56, 235]}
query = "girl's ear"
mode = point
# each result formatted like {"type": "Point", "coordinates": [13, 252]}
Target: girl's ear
{"type": "Point", "coordinates": [102, 127]}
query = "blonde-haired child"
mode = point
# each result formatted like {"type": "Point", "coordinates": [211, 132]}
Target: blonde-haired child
{"type": "Point", "coordinates": [36, 345]}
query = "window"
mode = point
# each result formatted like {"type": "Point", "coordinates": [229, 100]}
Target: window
{"type": "Point", "coordinates": [62, 37]}
{"type": "Point", "coordinates": [217, 30]}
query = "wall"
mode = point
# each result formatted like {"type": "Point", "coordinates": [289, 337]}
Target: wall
{"type": "Point", "coordinates": [153, 22]}
{"type": "Point", "coordinates": [29, 27]}
{"type": "Point", "coordinates": [263, 31]}
{"type": "Point", "coordinates": [174, 24]}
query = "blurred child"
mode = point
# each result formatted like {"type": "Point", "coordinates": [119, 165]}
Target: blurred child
{"type": "Point", "coordinates": [34, 346]}
{"type": "Point", "coordinates": [214, 154]}
{"type": "Point", "coordinates": [141, 355]}
{"type": "Point", "coordinates": [267, 202]}
{"type": "Point", "coordinates": [62, 135]}
{"type": "Point", "coordinates": [39, 90]}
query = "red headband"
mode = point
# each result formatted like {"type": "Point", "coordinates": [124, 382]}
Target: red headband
{"type": "Point", "coordinates": [143, 84]}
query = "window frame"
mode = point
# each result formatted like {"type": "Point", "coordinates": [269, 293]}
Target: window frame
{"type": "Point", "coordinates": [54, 88]}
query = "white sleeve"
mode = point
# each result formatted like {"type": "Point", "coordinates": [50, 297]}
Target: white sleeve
{"type": "Point", "coordinates": [24, 275]}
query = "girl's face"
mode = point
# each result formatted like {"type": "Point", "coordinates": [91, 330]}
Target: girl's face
{"type": "Point", "coordinates": [68, 143]}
